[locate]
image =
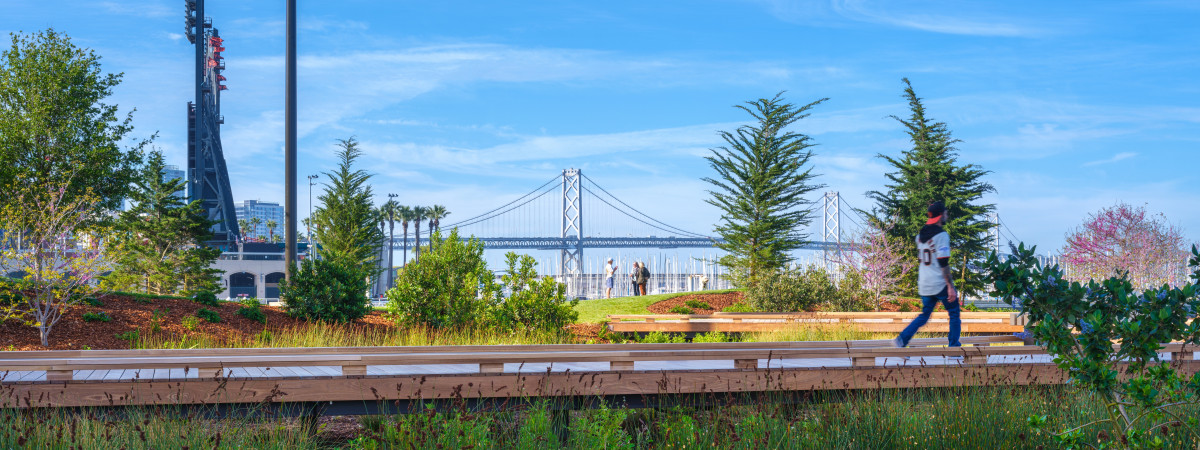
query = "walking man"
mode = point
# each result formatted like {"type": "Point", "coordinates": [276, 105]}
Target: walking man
{"type": "Point", "coordinates": [934, 283]}
{"type": "Point", "coordinates": [643, 277]}
{"type": "Point", "coordinates": [609, 271]}
{"type": "Point", "coordinates": [633, 277]}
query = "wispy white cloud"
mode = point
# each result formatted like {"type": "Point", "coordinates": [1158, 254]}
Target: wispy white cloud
{"type": "Point", "coordinates": [898, 15]}
{"type": "Point", "coordinates": [1115, 158]}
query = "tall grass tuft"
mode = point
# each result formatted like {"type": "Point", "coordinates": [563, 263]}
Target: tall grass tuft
{"type": "Point", "coordinates": [333, 335]}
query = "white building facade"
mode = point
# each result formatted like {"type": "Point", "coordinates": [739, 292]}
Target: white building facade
{"type": "Point", "coordinates": [265, 212]}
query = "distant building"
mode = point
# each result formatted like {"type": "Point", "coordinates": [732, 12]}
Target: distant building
{"type": "Point", "coordinates": [172, 172]}
{"type": "Point", "coordinates": [264, 211]}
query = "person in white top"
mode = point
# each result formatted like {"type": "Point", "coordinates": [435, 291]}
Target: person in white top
{"type": "Point", "coordinates": [934, 282]}
{"type": "Point", "coordinates": [609, 271]}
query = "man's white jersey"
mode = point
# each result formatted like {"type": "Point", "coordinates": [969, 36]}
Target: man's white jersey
{"type": "Point", "coordinates": [929, 275]}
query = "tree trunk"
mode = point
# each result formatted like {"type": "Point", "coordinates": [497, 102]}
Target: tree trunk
{"type": "Point", "coordinates": [417, 248]}
{"type": "Point", "coordinates": [404, 256]}
{"type": "Point", "coordinates": [391, 249]}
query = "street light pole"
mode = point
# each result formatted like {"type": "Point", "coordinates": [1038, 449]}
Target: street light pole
{"type": "Point", "coordinates": [308, 223]}
{"type": "Point", "coordinates": [289, 141]}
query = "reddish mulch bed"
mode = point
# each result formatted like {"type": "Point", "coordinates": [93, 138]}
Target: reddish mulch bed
{"type": "Point", "coordinates": [129, 314]}
{"type": "Point", "coordinates": [717, 301]}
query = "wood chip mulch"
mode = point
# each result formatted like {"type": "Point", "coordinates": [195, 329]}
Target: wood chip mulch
{"type": "Point", "coordinates": [716, 301]}
{"type": "Point", "coordinates": [130, 314]}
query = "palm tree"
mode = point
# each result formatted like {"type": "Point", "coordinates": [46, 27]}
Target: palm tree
{"type": "Point", "coordinates": [242, 225]}
{"type": "Point", "coordinates": [405, 214]}
{"type": "Point", "coordinates": [418, 215]}
{"type": "Point", "coordinates": [255, 222]}
{"type": "Point", "coordinates": [435, 214]}
{"type": "Point", "coordinates": [271, 224]}
{"type": "Point", "coordinates": [390, 211]}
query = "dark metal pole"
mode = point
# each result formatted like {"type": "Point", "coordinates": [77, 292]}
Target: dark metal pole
{"type": "Point", "coordinates": [289, 144]}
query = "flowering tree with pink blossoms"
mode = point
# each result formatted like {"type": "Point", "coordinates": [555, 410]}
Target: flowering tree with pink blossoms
{"type": "Point", "coordinates": [1123, 238]}
{"type": "Point", "coordinates": [44, 242]}
{"type": "Point", "coordinates": [877, 260]}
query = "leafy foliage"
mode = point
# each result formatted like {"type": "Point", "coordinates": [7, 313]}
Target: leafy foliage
{"type": "Point", "coordinates": [926, 173]}
{"type": "Point", "coordinates": [206, 298]}
{"type": "Point", "coordinates": [1122, 239]}
{"type": "Point", "coordinates": [450, 286]}
{"type": "Point", "coordinates": [793, 290]}
{"type": "Point", "coordinates": [877, 261]}
{"type": "Point", "coordinates": [96, 317]}
{"type": "Point", "coordinates": [158, 243]}
{"type": "Point", "coordinates": [190, 323]}
{"type": "Point", "coordinates": [346, 222]}
{"type": "Point", "coordinates": [59, 261]}
{"type": "Point", "coordinates": [533, 303]}
{"type": "Point", "coordinates": [762, 177]}
{"type": "Point", "coordinates": [739, 307]}
{"type": "Point", "coordinates": [1141, 397]}
{"type": "Point", "coordinates": [55, 128]}
{"type": "Point", "coordinates": [208, 314]}
{"type": "Point", "coordinates": [697, 304]}
{"type": "Point", "coordinates": [680, 309]}
{"type": "Point", "coordinates": [12, 299]}
{"type": "Point", "coordinates": [326, 291]}
{"type": "Point", "coordinates": [252, 309]}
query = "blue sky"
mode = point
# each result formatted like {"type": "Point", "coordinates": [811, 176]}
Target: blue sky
{"type": "Point", "coordinates": [1073, 106]}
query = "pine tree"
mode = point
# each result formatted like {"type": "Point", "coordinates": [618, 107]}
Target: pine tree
{"type": "Point", "coordinates": [930, 172]}
{"type": "Point", "coordinates": [346, 223]}
{"type": "Point", "coordinates": [762, 177]}
{"type": "Point", "coordinates": [158, 243]}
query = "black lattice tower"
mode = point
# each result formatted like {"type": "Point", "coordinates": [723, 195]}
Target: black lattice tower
{"type": "Point", "coordinates": [208, 178]}
{"type": "Point", "coordinates": [571, 262]}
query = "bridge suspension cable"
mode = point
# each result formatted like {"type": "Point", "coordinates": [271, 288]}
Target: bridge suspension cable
{"type": "Point", "coordinates": [585, 189]}
{"type": "Point", "coordinates": [481, 217]}
{"type": "Point", "coordinates": [676, 230]}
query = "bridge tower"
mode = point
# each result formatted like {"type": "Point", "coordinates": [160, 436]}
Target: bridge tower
{"type": "Point", "coordinates": [571, 261]}
{"type": "Point", "coordinates": [208, 178]}
{"type": "Point", "coordinates": [994, 232]}
{"type": "Point", "coordinates": [832, 229]}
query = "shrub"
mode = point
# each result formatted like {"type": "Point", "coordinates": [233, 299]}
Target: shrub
{"type": "Point", "coordinates": [208, 314]}
{"type": "Point", "coordinates": [96, 317]}
{"type": "Point", "coordinates": [681, 310]}
{"type": "Point", "coordinates": [793, 290]}
{"type": "Point", "coordinates": [190, 323]}
{"type": "Point", "coordinates": [739, 307]}
{"type": "Point", "coordinates": [205, 298]}
{"type": "Point", "coordinates": [131, 336]}
{"type": "Point", "coordinates": [93, 301]}
{"type": "Point", "coordinates": [533, 303]}
{"type": "Point", "coordinates": [712, 336]}
{"type": "Point", "coordinates": [12, 298]}
{"type": "Point", "coordinates": [450, 286]}
{"type": "Point", "coordinates": [326, 291]}
{"type": "Point", "coordinates": [851, 295]}
{"type": "Point", "coordinates": [659, 337]}
{"type": "Point", "coordinates": [252, 309]}
{"type": "Point", "coordinates": [697, 304]}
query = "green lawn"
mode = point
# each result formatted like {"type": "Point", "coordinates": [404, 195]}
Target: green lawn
{"type": "Point", "coordinates": [593, 311]}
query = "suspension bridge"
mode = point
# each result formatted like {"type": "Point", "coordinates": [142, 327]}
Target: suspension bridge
{"type": "Point", "coordinates": [551, 217]}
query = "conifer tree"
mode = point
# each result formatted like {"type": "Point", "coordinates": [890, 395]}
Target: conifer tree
{"type": "Point", "coordinates": [346, 222]}
{"type": "Point", "coordinates": [762, 178]}
{"type": "Point", "coordinates": [929, 172]}
{"type": "Point", "coordinates": [158, 244]}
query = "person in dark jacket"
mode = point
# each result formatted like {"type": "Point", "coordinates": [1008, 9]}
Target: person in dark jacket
{"type": "Point", "coordinates": [633, 277]}
{"type": "Point", "coordinates": [643, 278]}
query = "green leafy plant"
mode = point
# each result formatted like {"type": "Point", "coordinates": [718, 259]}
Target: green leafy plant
{"type": "Point", "coordinates": [533, 302]}
{"type": "Point", "coordinates": [712, 336]}
{"type": "Point", "coordinates": [450, 286]}
{"type": "Point", "coordinates": [96, 317]}
{"type": "Point", "coordinates": [252, 309]}
{"type": "Point", "coordinates": [1079, 324]}
{"type": "Point", "coordinates": [206, 298]}
{"type": "Point", "coordinates": [208, 314]}
{"type": "Point", "coordinates": [697, 304]}
{"type": "Point", "coordinates": [680, 309]}
{"type": "Point", "coordinates": [739, 307]}
{"type": "Point", "coordinates": [658, 337]}
{"type": "Point", "coordinates": [327, 291]}
{"type": "Point", "coordinates": [156, 319]}
{"type": "Point", "coordinates": [793, 290]}
{"type": "Point", "coordinates": [131, 336]}
{"type": "Point", "coordinates": [190, 323]}
{"type": "Point", "coordinates": [93, 301]}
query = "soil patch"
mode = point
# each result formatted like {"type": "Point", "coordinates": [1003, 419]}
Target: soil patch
{"type": "Point", "coordinates": [716, 301]}
{"type": "Point", "coordinates": [159, 315]}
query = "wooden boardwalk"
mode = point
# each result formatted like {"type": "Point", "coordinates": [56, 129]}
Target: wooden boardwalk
{"type": "Point", "coordinates": [372, 374]}
{"type": "Point", "coordinates": [884, 322]}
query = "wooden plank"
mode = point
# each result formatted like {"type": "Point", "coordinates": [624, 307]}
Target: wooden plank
{"type": "Point", "coordinates": [620, 365]}
{"type": "Point", "coordinates": [745, 364]}
{"type": "Point", "coordinates": [491, 367]}
{"type": "Point", "coordinates": [354, 370]}
{"type": "Point", "coordinates": [481, 385]}
{"type": "Point", "coordinates": [868, 361]}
